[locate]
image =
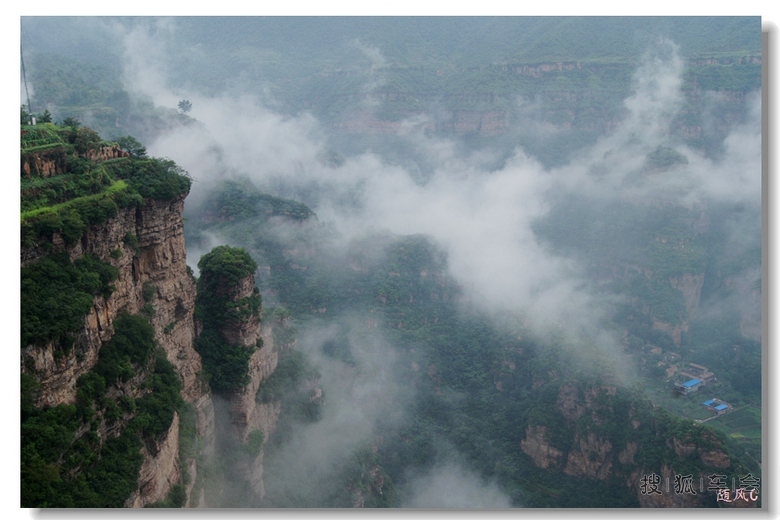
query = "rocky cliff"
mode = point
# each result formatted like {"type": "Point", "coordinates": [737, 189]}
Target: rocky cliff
{"type": "Point", "coordinates": [145, 243]}
{"type": "Point", "coordinates": [247, 415]}
{"type": "Point", "coordinates": [157, 262]}
{"type": "Point", "coordinates": [598, 433]}
{"type": "Point", "coordinates": [238, 350]}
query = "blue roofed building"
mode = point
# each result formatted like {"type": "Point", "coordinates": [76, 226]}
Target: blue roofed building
{"type": "Point", "coordinates": [689, 386]}
{"type": "Point", "coordinates": [717, 406]}
{"type": "Point", "coordinates": [721, 408]}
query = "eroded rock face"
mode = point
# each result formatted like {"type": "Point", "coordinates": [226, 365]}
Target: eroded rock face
{"type": "Point", "coordinates": [537, 446]}
{"type": "Point", "coordinates": [104, 153]}
{"type": "Point", "coordinates": [147, 247]}
{"type": "Point", "coordinates": [44, 164]}
{"type": "Point", "coordinates": [593, 455]}
{"type": "Point", "coordinates": [715, 458]}
{"type": "Point", "coordinates": [159, 262]}
{"type": "Point", "coordinates": [592, 458]}
{"type": "Point", "coordinates": [572, 406]}
{"type": "Point", "coordinates": [242, 332]}
{"type": "Point", "coordinates": [160, 470]}
{"type": "Point", "coordinates": [237, 413]}
{"type": "Point", "coordinates": [245, 412]}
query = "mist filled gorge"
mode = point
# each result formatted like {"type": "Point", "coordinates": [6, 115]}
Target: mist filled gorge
{"type": "Point", "coordinates": [470, 263]}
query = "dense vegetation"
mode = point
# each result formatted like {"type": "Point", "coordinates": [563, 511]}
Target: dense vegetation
{"type": "Point", "coordinates": [58, 293]}
{"type": "Point", "coordinates": [66, 460]}
{"type": "Point", "coordinates": [84, 192]}
{"type": "Point", "coordinates": [479, 385]}
{"type": "Point", "coordinates": [218, 307]}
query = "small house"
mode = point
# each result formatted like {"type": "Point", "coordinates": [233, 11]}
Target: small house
{"type": "Point", "coordinates": [721, 408]}
{"type": "Point", "coordinates": [689, 386]}
{"type": "Point", "coordinates": [695, 371]}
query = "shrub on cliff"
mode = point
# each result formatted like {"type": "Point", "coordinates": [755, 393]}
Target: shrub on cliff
{"type": "Point", "coordinates": [58, 293]}
{"type": "Point", "coordinates": [229, 263]}
{"type": "Point", "coordinates": [226, 364]}
{"type": "Point", "coordinates": [153, 178]}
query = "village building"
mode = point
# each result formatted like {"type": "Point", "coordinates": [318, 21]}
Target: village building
{"type": "Point", "coordinates": [717, 406]}
{"type": "Point", "coordinates": [695, 371]}
{"type": "Point", "coordinates": [689, 386]}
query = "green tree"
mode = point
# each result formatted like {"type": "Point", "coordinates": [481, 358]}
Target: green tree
{"type": "Point", "coordinates": [185, 106]}
{"type": "Point", "coordinates": [86, 139]}
{"type": "Point", "coordinates": [131, 145]}
{"type": "Point", "coordinates": [71, 122]}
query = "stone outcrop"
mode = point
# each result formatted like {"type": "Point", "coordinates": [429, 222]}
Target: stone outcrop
{"type": "Point", "coordinates": [52, 161]}
{"type": "Point", "coordinates": [231, 311]}
{"type": "Point", "coordinates": [591, 458]}
{"type": "Point", "coordinates": [160, 469]}
{"type": "Point", "coordinates": [45, 163]}
{"type": "Point", "coordinates": [572, 406]}
{"type": "Point", "coordinates": [246, 413]}
{"type": "Point", "coordinates": [104, 153]}
{"type": "Point", "coordinates": [244, 332]}
{"type": "Point", "coordinates": [537, 446]}
{"type": "Point", "coordinates": [594, 449]}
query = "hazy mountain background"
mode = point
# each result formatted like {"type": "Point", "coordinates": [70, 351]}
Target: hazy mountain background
{"type": "Point", "coordinates": [469, 219]}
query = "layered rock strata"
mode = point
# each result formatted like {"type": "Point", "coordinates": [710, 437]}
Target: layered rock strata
{"type": "Point", "coordinates": [147, 247]}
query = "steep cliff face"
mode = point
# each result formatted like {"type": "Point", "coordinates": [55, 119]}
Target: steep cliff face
{"type": "Point", "coordinates": [239, 350]}
{"type": "Point", "coordinates": [160, 470]}
{"type": "Point", "coordinates": [590, 458]}
{"type": "Point", "coordinates": [157, 262]}
{"type": "Point", "coordinates": [44, 164]}
{"type": "Point", "coordinates": [145, 243]}
{"type": "Point", "coordinates": [147, 246]}
{"type": "Point", "coordinates": [246, 414]}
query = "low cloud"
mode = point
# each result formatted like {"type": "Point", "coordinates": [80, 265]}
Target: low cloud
{"type": "Point", "coordinates": [358, 396]}
{"type": "Point", "coordinates": [482, 215]}
{"type": "Point", "coordinates": [452, 486]}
